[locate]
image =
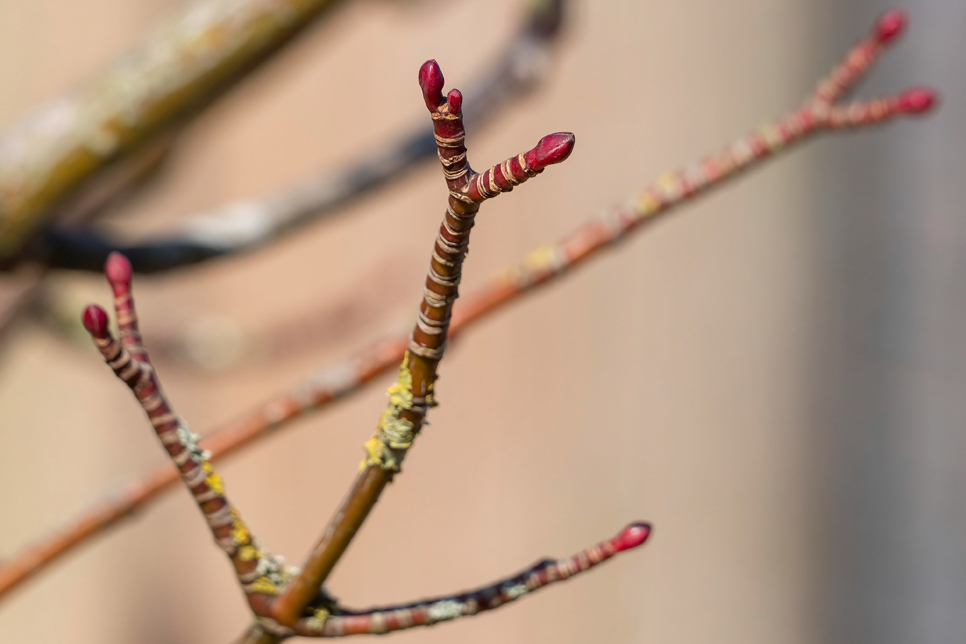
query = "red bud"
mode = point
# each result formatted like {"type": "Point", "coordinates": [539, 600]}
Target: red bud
{"type": "Point", "coordinates": [431, 82]}
{"type": "Point", "coordinates": [632, 536]}
{"type": "Point", "coordinates": [95, 321]}
{"type": "Point", "coordinates": [891, 25]}
{"type": "Point", "coordinates": [552, 149]}
{"type": "Point", "coordinates": [917, 100]}
{"type": "Point", "coordinates": [118, 271]}
{"type": "Point", "coordinates": [455, 100]}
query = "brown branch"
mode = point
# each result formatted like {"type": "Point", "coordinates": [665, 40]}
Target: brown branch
{"type": "Point", "coordinates": [428, 612]}
{"type": "Point", "coordinates": [412, 395]}
{"type": "Point", "coordinates": [259, 573]}
{"type": "Point", "coordinates": [180, 68]}
{"type": "Point", "coordinates": [541, 266]}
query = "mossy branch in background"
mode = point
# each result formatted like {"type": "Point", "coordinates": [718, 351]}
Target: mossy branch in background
{"type": "Point", "coordinates": [62, 146]}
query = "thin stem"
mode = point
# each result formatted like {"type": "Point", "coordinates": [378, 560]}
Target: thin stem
{"type": "Point", "coordinates": [541, 266]}
{"type": "Point", "coordinates": [259, 573]}
{"type": "Point", "coordinates": [428, 612]}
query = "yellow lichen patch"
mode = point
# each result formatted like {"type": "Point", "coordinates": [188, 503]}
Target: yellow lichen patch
{"type": "Point", "coordinates": [393, 432]}
{"type": "Point", "coordinates": [540, 258]}
{"type": "Point", "coordinates": [431, 396]}
{"type": "Point", "coordinates": [401, 393]}
{"type": "Point", "coordinates": [648, 204]}
{"type": "Point", "coordinates": [319, 617]}
{"type": "Point", "coordinates": [213, 481]}
{"type": "Point", "coordinates": [264, 586]}
{"type": "Point", "coordinates": [378, 454]}
{"type": "Point", "coordinates": [248, 553]}
{"type": "Point", "coordinates": [397, 433]}
{"type": "Point", "coordinates": [239, 532]}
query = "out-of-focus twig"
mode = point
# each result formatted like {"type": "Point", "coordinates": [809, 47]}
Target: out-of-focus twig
{"type": "Point", "coordinates": [250, 224]}
{"type": "Point", "coordinates": [58, 148]}
{"type": "Point", "coordinates": [818, 114]}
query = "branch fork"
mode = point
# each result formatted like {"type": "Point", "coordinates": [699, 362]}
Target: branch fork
{"type": "Point", "coordinates": [288, 601]}
{"type": "Point", "coordinates": [412, 395]}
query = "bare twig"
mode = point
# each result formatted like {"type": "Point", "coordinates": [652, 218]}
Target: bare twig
{"type": "Point", "coordinates": [197, 56]}
{"type": "Point", "coordinates": [541, 266]}
{"type": "Point", "coordinates": [412, 395]}
{"type": "Point", "coordinates": [427, 612]}
{"type": "Point", "coordinates": [259, 573]}
{"type": "Point", "coordinates": [248, 225]}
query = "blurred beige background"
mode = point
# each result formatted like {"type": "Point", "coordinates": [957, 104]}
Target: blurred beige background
{"type": "Point", "coordinates": [773, 377]}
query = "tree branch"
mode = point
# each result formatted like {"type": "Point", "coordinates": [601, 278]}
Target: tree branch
{"type": "Point", "coordinates": [412, 395]}
{"type": "Point", "coordinates": [541, 266]}
{"type": "Point", "coordinates": [178, 70]}
{"type": "Point", "coordinates": [259, 573]}
{"type": "Point", "coordinates": [428, 612]}
{"type": "Point", "coordinates": [248, 225]}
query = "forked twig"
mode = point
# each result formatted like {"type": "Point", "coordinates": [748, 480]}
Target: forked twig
{"type": "Point", "coordinates": [259, 572]}
{"type": "Point", "coordinates": [412, 395]}
{"type": "Point", "coordinates": [819, 113]}
{"type": "Point", "coordinates": [289, 601]}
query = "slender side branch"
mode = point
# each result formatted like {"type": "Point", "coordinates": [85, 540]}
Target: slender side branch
{"type": "Point", "coordinates": [541, 266]}
{"type": "Point", "coordinates": [412, 395]}
{"type": "Point", "coordinates": [247, 225]}
{"type": "Point", "coordinates": [259, 573]}
{"type": "Point", "coordinates": [428, 612]}
{"type": "Point", "coordinates": [61, 146]}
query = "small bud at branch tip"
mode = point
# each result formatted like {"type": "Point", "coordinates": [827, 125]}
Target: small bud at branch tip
{"type": "Point", "coordinates": [891, 25]}
{"type": "Point", "coordinates": [632, 536]}
{"type": "Point", "coordinates": [95, 321]}
{"type": "Point", "coordinates": [118, 271]}
{"type": "Point", "coordinates": [431, 82]}
{"type": "Point", "coordinates": [553, 148]}
{"type": "Point", "coordinates": [917, 100]}
{"type": "Point", "coordinates": [455, 100]}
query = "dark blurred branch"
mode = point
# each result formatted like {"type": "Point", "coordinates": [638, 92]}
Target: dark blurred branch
{"type": "Point", "coordinates": [247, 225]}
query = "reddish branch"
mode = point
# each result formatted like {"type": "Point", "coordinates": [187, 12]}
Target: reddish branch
{"type": "Point", "coordinates": [258, 572]}
{"type": "Point", "coordinates": [288, 601]}
{"type": "Point", "coordinates": [427, 612]}
{"type": "Point", "coordinates": [412, 395]}
{"type": "Point", "coordinates": [820, 113]}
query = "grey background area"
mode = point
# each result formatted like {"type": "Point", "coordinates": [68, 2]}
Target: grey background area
{"type": "Point", "coordinates": [890, 354]}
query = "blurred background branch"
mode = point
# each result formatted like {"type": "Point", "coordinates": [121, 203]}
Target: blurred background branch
{"type": "Point", "coordinates": [180, 68]}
